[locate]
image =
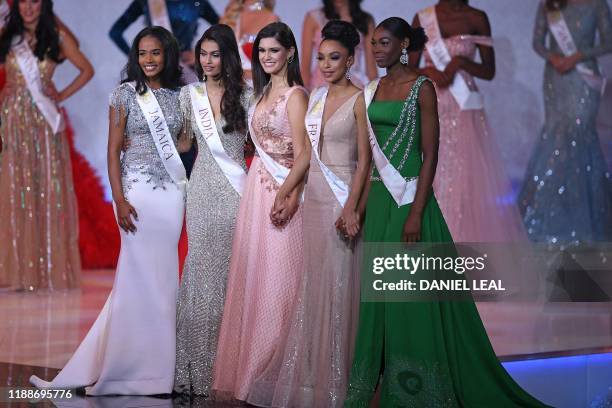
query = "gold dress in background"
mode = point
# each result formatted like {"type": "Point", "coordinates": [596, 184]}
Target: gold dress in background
{"type": "Point", "coordinates": [38, 209]}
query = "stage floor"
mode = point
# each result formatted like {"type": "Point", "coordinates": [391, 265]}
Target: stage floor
{"type": "Point", "coordinates": [40, 331]}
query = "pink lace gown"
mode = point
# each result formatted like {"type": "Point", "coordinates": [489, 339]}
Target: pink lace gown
{"type": "Point", "coordinates": [472, 189]}
{"type": "Point", "coordinates": [265, 266]}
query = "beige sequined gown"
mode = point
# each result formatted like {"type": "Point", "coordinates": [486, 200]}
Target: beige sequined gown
{"type": "Point", "coordinates": [38, 209]}
{"type": "Point", "coordinates": [212, 206]}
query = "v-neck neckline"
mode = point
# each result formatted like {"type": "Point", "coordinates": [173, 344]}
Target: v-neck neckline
{"type": "Point", "coordinates": [324, 123]}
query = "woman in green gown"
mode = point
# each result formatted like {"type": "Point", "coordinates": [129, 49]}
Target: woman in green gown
{"type": "Point", "coordinates": [425, 354]}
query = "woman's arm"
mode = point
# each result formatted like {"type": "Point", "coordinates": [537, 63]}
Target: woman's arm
{"type": "Point", "coordinates": [65, 30]}
{"type": "Point", "coordinates": [370, 62]}
{"type": "Point", "coordinates": [414, 58]}
{"type": "Point", "coordinates": [308, 32]}
{"type": "Point", "coordinates": [186, 136]}
{"type": "Point", "coordinates": [540, 31]}
{"type": "Point", "coordinates": [430, 133]}
{"type": "Point", "coordinates": [349, 219]}
{"type": "Point", "coordinates": [130, 15]}
{"type": "Point", "coordinates": [116, 128]}
{"type": "Point", "coordinates": [70, 49]}
{"type": "Point", "coordinates": [484, 69]}
{"type": "Point", "coordinates": [604, 27]}
{"type": "Point", "coordinates": [288, 195]}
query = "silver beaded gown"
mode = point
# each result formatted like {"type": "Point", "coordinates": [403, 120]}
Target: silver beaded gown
{"type": "Point", "coordinates": [566, 197]}
{"type": "Point", "coordinates": [212, 205]}
{"type": "Point", "coordinates": [129, 350]}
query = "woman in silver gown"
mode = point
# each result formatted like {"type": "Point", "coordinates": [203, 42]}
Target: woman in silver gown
{"type": "Point", "coordinates": [566, 197]}
{"type": "Point", "coordinates": [213, 195]}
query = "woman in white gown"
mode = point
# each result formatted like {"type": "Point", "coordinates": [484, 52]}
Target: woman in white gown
{"type": "Point", "coordinates": [130, 349]}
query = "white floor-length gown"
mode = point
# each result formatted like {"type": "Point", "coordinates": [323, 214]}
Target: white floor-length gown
{"type": "Point", "coordinates": [130, 350]}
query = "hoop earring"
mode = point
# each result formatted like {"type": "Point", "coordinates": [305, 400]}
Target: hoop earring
{"type": "Point", "coordinates": [347, 74]}
{"type": "Point", "coordinates": [404, 57]}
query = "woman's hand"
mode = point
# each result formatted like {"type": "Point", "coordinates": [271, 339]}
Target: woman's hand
{"type": "Point", "coordinates": [348, 223]}
{"type": "Point", "coordinates": [440, 78]}
{"type": "Point", "coordinates": [125, 212]}
{"type": "Point", "coordinates": [51, 91]}
{"type": "Point", "coordinates": [285, 206]}
{"type": "Point", "coordinates": [564, 64]}
{"type": "Point", "coordinates": [412, 228]}
{"type": "Point", "coordinates": [453, 67]}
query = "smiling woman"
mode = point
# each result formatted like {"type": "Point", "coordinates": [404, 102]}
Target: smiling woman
{"type": "Point", "coordinates": [214, 113]}
{"type": "Point", "coordinates": [130, 348]}
{"type": "Point", "coordinates": [267, 244]}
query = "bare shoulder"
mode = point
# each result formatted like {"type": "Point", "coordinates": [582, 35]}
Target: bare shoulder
{"type": "Point", "coordinates": [479, 20]}
{"type": "Point", "coordinates": [427, 93]}
{"type": "Point", "coordinates": [298, 99]}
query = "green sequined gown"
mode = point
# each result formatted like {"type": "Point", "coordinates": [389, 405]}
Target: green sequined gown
{"type": "Point", "coordinates": [430, 354]}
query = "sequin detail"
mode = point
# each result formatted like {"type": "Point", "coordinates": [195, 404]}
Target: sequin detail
{"type": "Point", "coordinates": [38, 208]}
{"type": "Point", "coordinates": [566, 197]}
{"type": "Point", "coordinates": [141, 161]}
{"type": "Point", "coordinates": [202, 291]}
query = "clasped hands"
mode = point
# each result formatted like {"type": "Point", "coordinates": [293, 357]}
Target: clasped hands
{"type": "Point", "coordinates": [443, 79]}
{"type": "Point", "coordinates": [563, 64]}
{"type": "Point", "coordinates": [286, 205]}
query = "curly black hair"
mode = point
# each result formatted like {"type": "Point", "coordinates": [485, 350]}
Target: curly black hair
{"type": "Point", "coordinates": [171, 75]}
{"type": "Point", "coordinates": [47, 33]}
{"type": "Point", "coordinates": [231, 74]}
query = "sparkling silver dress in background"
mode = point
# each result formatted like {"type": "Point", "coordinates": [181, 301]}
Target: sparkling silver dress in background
{"type": "Point", "coordinates": [212, 205]}
{"type": "Point", "coordinates": [566, 197]}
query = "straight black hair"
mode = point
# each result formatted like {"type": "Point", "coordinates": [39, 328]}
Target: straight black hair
{"type": "Point", "coordinates": [171, 74]}
{"type": "Point", "coordinates": [232, 75]}
{"type": "Point", "coordinates": [281, 33]}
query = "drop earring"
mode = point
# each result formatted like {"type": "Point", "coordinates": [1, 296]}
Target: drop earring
{"type": "Point", "coordinates": [290, 59]}
{"type": "Point", "coordinates": [347, 74]}
{"type": "Point", "coordinates": [404, 57]}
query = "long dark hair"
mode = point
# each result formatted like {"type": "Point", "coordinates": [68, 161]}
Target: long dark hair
{"type": "Point", "coordinates": [360, 18]}
{"type": "Point", "coordinates": [47, 34]}
{"type": "Point", "coordinates": [171, 75]}
{"type": "Point", "coordinates": [401, 30]}
{"type": "Point", "coordinates": [231, 75]}
{"type": "Point", "coordinates": [281, 33]}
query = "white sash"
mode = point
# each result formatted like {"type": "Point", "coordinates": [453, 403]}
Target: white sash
{"type": "Point", "coordinates": [276, 170]}
{"type": "Point", "coordinates": [206, 123]}
{"type": "Point", "coordinates": [401, 190]}
{"type": "Point", "coordinates": [28, 64]}
{"type": "Point", "coordinates": [159, 14]}
{"type": "Point", "coordinates": [314, 119]}
{"type": "Point", "coordinates": [162, 137]}
{"type": "Point", "coordinates": [4, 11]}
{"type": "Point", "coordinates": [563, 36]}
{"type": "Point", "coordinates": [465, 97]}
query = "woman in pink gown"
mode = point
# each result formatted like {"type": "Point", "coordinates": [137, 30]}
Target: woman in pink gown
{"type": "Point", "coordinates": [267, 249]}
{"type": "Point", "coordinates": [470, 184]}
